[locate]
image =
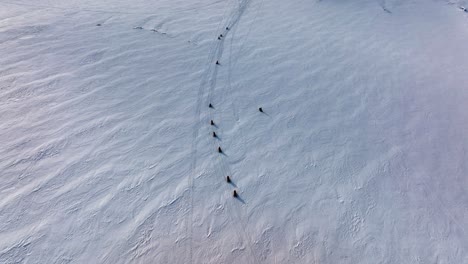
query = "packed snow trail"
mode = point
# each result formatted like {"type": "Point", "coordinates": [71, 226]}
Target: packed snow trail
{"type": "Point", "coordinates": [228, 23]}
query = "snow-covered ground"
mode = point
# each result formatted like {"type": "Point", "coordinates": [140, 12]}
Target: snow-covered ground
{"type": "Point", "coordinates": [107, 154]}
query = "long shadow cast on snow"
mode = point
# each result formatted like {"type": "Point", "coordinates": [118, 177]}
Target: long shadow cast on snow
{"type": "Point", "coordinates": [239, 198]}
{"type": "Point", "coordinates": [233, 184]}
{"type": "Point", "coordinates": [265, 113]}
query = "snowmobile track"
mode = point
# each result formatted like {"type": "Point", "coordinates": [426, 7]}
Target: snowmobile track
{"type": "Point", "coordinates": [199, 104]}
{"type": "Point", "coordinates": [235, 17]}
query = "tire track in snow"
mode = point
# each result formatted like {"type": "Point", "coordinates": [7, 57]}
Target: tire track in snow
{"type": "Point", "coordinates": [210, 78]}
{"type": "Point", "coordinates": [196, 129]}
{"type": "Point", "coordinates": [235, 18]}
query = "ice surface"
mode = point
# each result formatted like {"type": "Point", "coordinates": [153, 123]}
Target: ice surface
{"type": "Point", "coordinates": [107, 154]}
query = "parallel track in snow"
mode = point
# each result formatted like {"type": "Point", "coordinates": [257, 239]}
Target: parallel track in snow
{"type": "Point", "coordinates": [204, 98]}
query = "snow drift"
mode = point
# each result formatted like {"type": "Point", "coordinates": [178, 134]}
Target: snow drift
{"type": "Point", "coordinates": [107, 153]}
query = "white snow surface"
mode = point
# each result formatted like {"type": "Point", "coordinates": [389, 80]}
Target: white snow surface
{"type": "Point", "coordinates": [107, 154]}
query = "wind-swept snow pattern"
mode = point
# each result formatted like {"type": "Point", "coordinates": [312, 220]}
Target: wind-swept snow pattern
{"type": "Point", "coordinates": [340, 125]}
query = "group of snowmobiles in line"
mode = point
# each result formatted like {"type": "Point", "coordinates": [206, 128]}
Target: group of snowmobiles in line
{"type": "Point", "coordinates": [219, 38]}
{"type": "Point", "coordinates": [212, 123]}
{"type": "Point", "coordinates": [220, 150]}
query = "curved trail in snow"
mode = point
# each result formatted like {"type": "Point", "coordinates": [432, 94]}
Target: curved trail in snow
{"type": "Point", "coordinates": [227, 24]}
{"type": "Point", "coordinates": [238, 217]}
